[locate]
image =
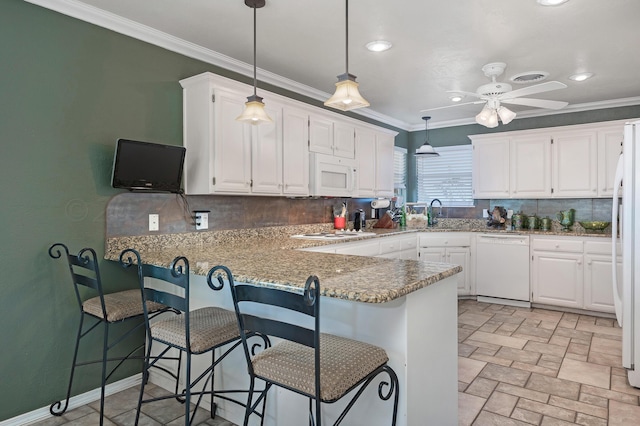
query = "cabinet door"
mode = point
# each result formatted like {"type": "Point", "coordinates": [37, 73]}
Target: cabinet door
{"type": "Point", "coordinates": [320, 134]}
{"type": "Point", "coordinates": [491, 168]}
{"type": "Point", "coordinates": [598, 287]}
{"type": "Point", "coordinates": [366, 156]}
{"type": "Point", "coordinates": [266, 154]}
{"type": "Point", "coordinates": [384, 165]}
{"type": "Point", "coordinates": [232, 170]}
{"type": "Point", "coordinates": [609, 149]}
{"type": "Point", "coordinates": [365, 248]}
{"type": "Point", "coordinates": [557, 279]}
{"type": "Point", "coordinates": [460, 256]}
{"type": "Point", "coordinates": [295, 142]}
{"type": "Point", "coordinates": [344, 140]}
{"type": "Point", "coordinates": [575, 164]}
{"type": "Point", "coordinates": [432, 254]}
{"type": "Point", "coordinates": [530, 166]}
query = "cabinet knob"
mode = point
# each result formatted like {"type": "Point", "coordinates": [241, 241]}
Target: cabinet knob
{"type": "Point", "coordinates": [557, 245]}
{"type": "Point", "coordinates": [589, 263]}
{"type": "Point", "coordinates": [579, 262]}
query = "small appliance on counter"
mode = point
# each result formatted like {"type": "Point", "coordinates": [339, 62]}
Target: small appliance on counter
{"type": "Point", "coordinates": [359, 220]}
{"type": "Point", "coordinates": [498, 217]}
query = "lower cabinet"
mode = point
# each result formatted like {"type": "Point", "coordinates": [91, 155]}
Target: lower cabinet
{"type": "Point", "coordinates": [575, 273]}
{"type": "Point", "coordinates": [449, 248]}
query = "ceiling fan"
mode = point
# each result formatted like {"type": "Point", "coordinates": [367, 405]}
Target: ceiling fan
{"type": "Point", "coordinates": [494, 94]}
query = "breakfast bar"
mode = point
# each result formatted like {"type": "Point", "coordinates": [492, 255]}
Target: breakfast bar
{"type": "Point", "coordinates": [409, 308]}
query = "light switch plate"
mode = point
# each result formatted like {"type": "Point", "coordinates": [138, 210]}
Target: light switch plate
{"type": "Point", "coordinates": [485, 213]}
{"type": "Point", "coordinates": [154, 222]}
{"type": "Point", "coordinates": [509, 214]}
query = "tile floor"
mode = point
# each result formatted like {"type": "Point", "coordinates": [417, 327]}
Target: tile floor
{"type": "Point", "coordinates": [516, 366]}
{"type": "Point", "coordinates": [520, 366]}
{"type": "Point", "coordinates": [120, 409]}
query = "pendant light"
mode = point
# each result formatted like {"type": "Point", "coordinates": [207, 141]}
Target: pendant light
{"type": "Point", "coordinates": [346, 96]}
{"type": "Point", "coordinates": [426, 149]}
{"type": "Point", "coordinates": [254, 112]}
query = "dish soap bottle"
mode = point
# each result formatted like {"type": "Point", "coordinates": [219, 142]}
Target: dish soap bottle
{"type": "Point", "coordinates": [403, 217]}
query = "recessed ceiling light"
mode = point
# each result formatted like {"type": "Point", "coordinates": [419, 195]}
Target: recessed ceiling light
{"type": "Point", "coordinates": [581, 76]}
{"type": "Point", "coordinates": [379, 45]}
{"type": "Point", "coordinates": [551, 2]}
{"type": "Point", "coordinates": [456, 98]}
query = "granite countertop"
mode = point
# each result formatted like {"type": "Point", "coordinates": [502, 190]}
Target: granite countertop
{"type": "Point", "coordinates": [270, 257]}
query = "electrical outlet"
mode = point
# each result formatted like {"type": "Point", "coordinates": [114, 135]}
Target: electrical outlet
{"type": "Point", "coordinates": [202, 220]}
{"type": "Point", "coordinates": [485, 213]}
{"type": "Point", "coordinates": [154, 222]}
{"type": "Point", "coordinates": [509, 214]}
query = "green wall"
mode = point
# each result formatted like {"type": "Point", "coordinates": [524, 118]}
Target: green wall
{"type": "Point", "coordinates": [68, 90]}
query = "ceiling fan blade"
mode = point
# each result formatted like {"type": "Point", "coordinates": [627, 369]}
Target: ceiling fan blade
{"type": "Point", "coordinates": [458, 92]}
{"type": "Point", "coordinates": [538, 103]}
{"type": "Point", "coordinates": [451, 106]}
{"type": "Point", "coordinates": [536, 88]}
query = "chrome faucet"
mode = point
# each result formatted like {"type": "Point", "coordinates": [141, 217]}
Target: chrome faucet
{"type": "Point", "coordinates": [432, 221]}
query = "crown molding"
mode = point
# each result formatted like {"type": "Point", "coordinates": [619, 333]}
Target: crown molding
{"type": "Point", "coordinates": [161, 39]}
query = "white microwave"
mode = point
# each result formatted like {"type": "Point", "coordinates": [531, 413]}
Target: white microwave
{"type": "Point", "coordinates": [332, 176]}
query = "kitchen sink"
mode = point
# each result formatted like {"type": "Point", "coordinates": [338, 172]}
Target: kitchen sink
{"type": "Point", "coordinates": [338, 235]}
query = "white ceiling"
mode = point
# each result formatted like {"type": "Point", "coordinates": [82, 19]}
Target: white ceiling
{"type": "Point", "coordinates": [437, 46]}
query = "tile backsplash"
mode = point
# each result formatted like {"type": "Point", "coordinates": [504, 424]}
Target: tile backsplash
{"type": "Point", "coordinates": [128, 213]}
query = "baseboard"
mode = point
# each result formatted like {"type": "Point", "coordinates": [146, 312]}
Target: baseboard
{"type": "Point", "coordinates": [74, 402]}
{"type": "Point", "coordinates": [508, 302]}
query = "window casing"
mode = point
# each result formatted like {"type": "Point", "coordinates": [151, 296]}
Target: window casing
{"type": "Point", "coordinates": [447, 177]}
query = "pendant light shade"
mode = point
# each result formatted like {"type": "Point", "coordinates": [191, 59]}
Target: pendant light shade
{"type": "Point", "coordinates": [347, 96]}
{"type": "Point", "coordinates": [254, 112]}
{"type": "Point", "coordinates": [426, 149]}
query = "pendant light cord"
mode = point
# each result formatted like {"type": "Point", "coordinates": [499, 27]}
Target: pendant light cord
{"type": "Point", "coordinates": [346, 26]}
{"type": "Point", "coordinates": [255, 41]}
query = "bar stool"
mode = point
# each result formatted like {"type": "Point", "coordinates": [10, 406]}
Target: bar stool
{"type": "Point", "coordinates": [194, 332]}
{"type": "Point", "coordinates": [105, 309]}
{"type": "Point", "coordinates": [321, 366]}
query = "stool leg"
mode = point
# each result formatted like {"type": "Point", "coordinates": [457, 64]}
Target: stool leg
{"type": "Point", "coordinates": [105, 349]}
{"type": "Point", "coordinates": [55, 408]}
{"type": "Point", "coordinates": [213, 407]}
{"type": "Point", "coordinates": [145, 379]}
{"type": "Point", "coordinates": [187, 403]}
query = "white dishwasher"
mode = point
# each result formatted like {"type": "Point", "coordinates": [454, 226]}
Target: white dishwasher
{"type": "Point", "coordinates": [502, 268]}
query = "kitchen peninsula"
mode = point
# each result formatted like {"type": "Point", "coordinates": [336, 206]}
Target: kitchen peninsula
{"type": "Point", "coordinates": [407, 307]}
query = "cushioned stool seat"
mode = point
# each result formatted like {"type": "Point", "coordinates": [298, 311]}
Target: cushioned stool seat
{"type": "Point", "coordinates": [343, 364]}
{"type": "Point", "coordinates": [119, 306]}
{"type": "Point", "coordinates": [208, 328]}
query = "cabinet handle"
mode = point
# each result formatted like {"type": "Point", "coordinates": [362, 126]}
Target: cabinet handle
{"type": "Point", "coordinates": [579, 262]}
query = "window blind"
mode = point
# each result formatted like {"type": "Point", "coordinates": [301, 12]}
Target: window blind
{"type": "Point", "coordinates": [447, 177]}
{"type": "Point", "coordinates": [399, 168]}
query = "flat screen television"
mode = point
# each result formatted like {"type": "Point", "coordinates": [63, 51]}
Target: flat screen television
{"type": "Point", "coordinates": [147, 166]}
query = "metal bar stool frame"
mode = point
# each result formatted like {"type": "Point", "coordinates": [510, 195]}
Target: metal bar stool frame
{"type": "Point", "coordinates": [85, 273]}
{"type": "Point", "coordinates": [177, 274]}
{"type": "Point", "coordinates": [307, 304]}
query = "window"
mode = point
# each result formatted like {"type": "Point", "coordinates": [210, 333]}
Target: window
{"type": "Point", "coordinates": [447, 177]}
{"type": "Point", "coordinates": [399, 172]}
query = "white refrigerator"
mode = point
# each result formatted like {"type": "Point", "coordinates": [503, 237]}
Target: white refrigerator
{"type": "Point", "coordinates": [626, 288]}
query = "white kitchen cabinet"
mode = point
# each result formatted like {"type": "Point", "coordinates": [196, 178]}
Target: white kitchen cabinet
{"type": "Point", "coordinates": [609, 149]}
{"type": "Point", "coordinates": [575, 164]}
{"type": "Point", "coordinates": [331, 137]}
{"type": "Point", "coordinates": [399, 247]}
{"type": "Point", "coordinates": [557, 278]}
{"type": "Point", "coordinates": [295, 152]}
{"type": "Point", "coordinates": [360, 248]}
{"type": "Point", "coordinates": [452, 248]}
{"type": "Point", "coordinates": [384, 164]}
{"type": "Point", "coordinates": [266, 153]}
{"type": "Point", "coordinates": [530, 166]}
{"type": "Point", "coordinates": [491, 167]}
{"type": "Point", "coordinates": [574, 272]}
{"type": "Point", "coordinates": [366, 155]}
{"type": "Point", "coordinates": [344, 140]}
{"type": "Point", "coordinates": [218, 158]}
{"type": "Point", "coordinates": [374, 153]}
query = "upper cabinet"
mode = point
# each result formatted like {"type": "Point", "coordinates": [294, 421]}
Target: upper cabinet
{"type": "Point", "coordinates": [563, 162]}
{"type": "Point", "coordinates": [374, 153]}
{"type": "Point", "coordinates": [225, 156]}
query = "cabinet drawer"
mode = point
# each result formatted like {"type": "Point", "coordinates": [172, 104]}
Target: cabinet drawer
{"type": "Point", "coordinates": [557, 245]}
{"type": "Point", "coordinates": [394, 244]}
{"type": "Point", "coordinates": [601, 247]}
{"type": "Point", "coordinates": [452, 240]}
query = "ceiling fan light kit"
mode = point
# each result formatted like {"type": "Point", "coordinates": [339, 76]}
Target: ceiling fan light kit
{"type": "Point", "coordinates": [493, 95]}
{"type": "Point", "coordinates": [347, 96]}
{"type": "Point", "coordinates": [426, 149]}
{"type": "Point", "coordinates": [254, 112]}
{"type": "Point", "coordinates": [551, 2]}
